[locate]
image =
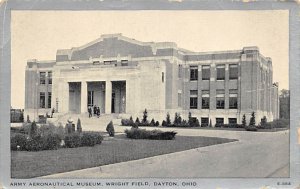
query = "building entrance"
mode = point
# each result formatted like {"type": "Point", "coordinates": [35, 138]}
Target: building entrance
{"type": "Point", "coordinates": [118, 97]}
{"type": "Point", "coordinates": [74, 97]}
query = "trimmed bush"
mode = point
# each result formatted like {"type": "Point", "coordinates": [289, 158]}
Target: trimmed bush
{"type": "Point", "coordinates": [72, 140]}
{"type": "Point", "coordinates": [244, 123]}
{"type": "Point", "coordinates": [152, 123]}
{"type": "Point", "coordinates": [252, 119]}
{"type": "Point", "coordinates": [33, 129]}
{"type": "Point", "coordinates": [91, 139]}
{"type": "Point", "coordinates": [35, 143]}
{"type": "Point", "coordinates": [18, 142]}
{"type": "Point", "coordinates": [147, 134]}
{"type": "Point", "coordinates": [157, 123]}
{"type": "Point", "coordinates": [110, 129]}
{"type": "Point", "coordinates": [51, 141]}
{"type": "Point", "coordinates": [251, 128]}
{"type": "Point", "coordinates": [145, 115]}
{"type": "Point", "coordinates": [79, 128]}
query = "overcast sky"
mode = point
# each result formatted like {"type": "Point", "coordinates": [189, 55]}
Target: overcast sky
{"type": "Point", "coordinates": [38, 34]}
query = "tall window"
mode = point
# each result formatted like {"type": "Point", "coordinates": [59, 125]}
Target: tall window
{"type": "Point", "coordinates": [193, 99]}
{"type": "Point", "coordinates": [42, 100]}
{"type": "Point", "coordinates": [179, 71]}
{"type": "Point", "coordinates": [232, 120]}
{"type": "Point", "coordinates": [49, 99]}
{"type": "Point", "coordinates": [42, 78]}
{"type": "Point", "coordinates": [233, 102]}
{"type": "Point", "coordinates": [90, 98]}
{"type": "Point", "coordinates": [221, 72]}
{"type": "Point", "coordinates": [50, 78]}
{"type": "Point", "coordinates": [179, 99]}
{"type": "Point", "coordinates": [205, 99]}
{"type": "Point", "coordinates": [205, 72]}
{"type": "Point", "coordinates": [220, 99]}
{"type": "Point", "coordinates": [193, 73]}
{"type": "Point", "coordinates": [233, 71]}
{"type": "Point", "coordinates": [162, 77]}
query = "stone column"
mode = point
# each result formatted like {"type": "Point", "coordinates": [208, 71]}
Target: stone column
{"type": "Point", "coordinates": [83, 104]}
{"type": "Point", "coordinates": [108, 91]}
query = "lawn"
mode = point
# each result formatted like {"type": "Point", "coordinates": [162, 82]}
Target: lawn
{"type": "Point", "coordinates": [112, 150]}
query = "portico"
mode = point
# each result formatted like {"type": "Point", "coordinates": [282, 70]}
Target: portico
{"type": "Point", "coordinates": [109, 96]}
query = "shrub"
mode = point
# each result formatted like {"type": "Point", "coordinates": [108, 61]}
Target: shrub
{"type": "Point", "coordinates": [164, 123]}
{"type": "Point", "coordinates": [35, 143]}
{"type": "Point", "coordinates": [18, 142]}
{"type": "Point", "coordinates": [72, 140]}
{"type": "Point", "coordinates": [28, 120]}
{"type": "Point", "coordinates": [157, 123]}
{"type": "Point", "coordinates": [137, 121]}
{"type": "Point", "coordinates": [251, 128]}
{"type": "Point", "coordinates": [127, 122]}
{"type": "Point", "coordinates": [33, 129]}
{"type": "Point", "coordinates": [244, 123]}
{"type": "Point", "coordinates": [145, 115]}
{"type": "Point", "coordinates": [51, 141]}
{"type": "Point", "coordinates": [168, 120]}
{"type": "Point", "coordinates": [110, 129]}
{"type": "Point", "coordinates": [91, 139]}
{"type": "Point", "coordinates": [252, 119]}
{"type": "Point", "coordinates": [147, 134]}
{"type": "Point", "coordinates": [263, 122]}
{"type": "Point", "coordinates": [152, 123]}
{"type": "Point", "coordinates": [79, 128]}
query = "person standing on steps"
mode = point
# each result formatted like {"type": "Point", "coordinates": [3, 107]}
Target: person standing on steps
{"type": "Point", "coordinates": [98, 112]}
{"type": "Point", "coordinates": [90, 111]}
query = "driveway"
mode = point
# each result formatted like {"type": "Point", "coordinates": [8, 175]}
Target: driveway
{"type": "Point", "coordinates": [256, 155]}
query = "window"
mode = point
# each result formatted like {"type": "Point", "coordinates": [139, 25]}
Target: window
{"type": "Point", "coordinates": [220, 99]}
{"type": "Point", "coordinates": [179, 99]}
{"type": "Point", "coordinates": [90, 98]}
{"type": "Point", "coordinates": [219, 122]}
{"type": "Point", "coordinates": [221, 72]}
{"type": "Point", "coordinates": [205, 72]}
{"type": "Point", "coordinates": [232, 121]}
{"type": "Point", "coordinates": [179, 71]}
{"type": "Point", "coordinates": [49, 99]}
{"type": "Point", "coordinates": [193, 99]}
{"type": "Point", "coordinates": [194, 73]}
{"type": "Point", "coordinates": [233, 71]}
{"type": "Point", "coordinates": [205, 99]}
{"type": "Point", "coordinates": [42, 100]}
{"type": "Point", "coordinates": [204, 121]}
{"type": "Point", "coordinates": [49, 78]}
{"type": "Point", "coordinates": [42, 78]}
{"type": "Point", "coordinates": [124, 62]}
{"type": "Point", "coordinates": [162, 77]}
{"type": "Point", "coordinates": [233, 99]}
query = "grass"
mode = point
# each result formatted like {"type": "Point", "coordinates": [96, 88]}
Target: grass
{"type": "Point", "coordinates": [112, 150]}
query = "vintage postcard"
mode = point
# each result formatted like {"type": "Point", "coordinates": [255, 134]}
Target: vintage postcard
{"type": "Point", "coordinates": [138, 95]}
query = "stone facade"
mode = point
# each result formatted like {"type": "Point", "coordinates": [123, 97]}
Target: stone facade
{"type": "Point", "coordinates": [125, 76]}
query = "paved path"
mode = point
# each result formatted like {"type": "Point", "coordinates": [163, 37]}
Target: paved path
{"type": "Point", "coordinates": [256, 154]}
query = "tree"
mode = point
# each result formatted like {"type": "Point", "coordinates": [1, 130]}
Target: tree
{"type": "Point", "coordinates": [284, 104]}
{"type": "Point", "coordinates": [252, 119]}
{"type": "Point", "coordinates": [168, 120]}
{"type": "Point", "coordinates": [33, 129]}
{"type": "Point", "coordinates": [79, 128]}
{"type": "Point", "coordinates": [244, 123]}
{"type": "Point", "coordinates": [145, 115]}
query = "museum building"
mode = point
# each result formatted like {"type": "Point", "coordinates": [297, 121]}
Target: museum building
{"type": "Point", "coordinates": [124, 76]}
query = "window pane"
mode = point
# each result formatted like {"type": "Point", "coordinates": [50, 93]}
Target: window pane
{"type": "Point", "coordinates": [193, 102]}
{"type": "Point", "coordinates": [219, 122]}
{"type": "Point", "coordinates": [179, 71]}
{"type": "Point", "coordinates": [204, 121]}
{"type": "Point", "coordinates": [221, 72]}
{"type": "Point", "coordinates": [232, 120]}
{"type": "Point", "coordinates": [42, 77]}
{"type": "Point", "coordinates": [124, 62]}
{"type": "Point", "coordinates": [193, 73]}
{"type": "Point", "coordinates": [42, 100]}
{"type": "Point", "coordinates": [233, 71]}
{"type": "Point", "coordinates": [49, 100]}
{"type": "Point", "coordinates": [205, 102]}
{"type": "Point", "coordinates": [220, 102]}
{"type": "Point", "coordinates": [205, 72]}
{"type": "Point", "coordinates": [232, 102]}
{"type": "Point", "coordinates": [50, 78]}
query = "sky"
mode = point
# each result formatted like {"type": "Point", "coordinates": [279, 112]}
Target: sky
{"type": "Point", "coordinates": [38, 35]}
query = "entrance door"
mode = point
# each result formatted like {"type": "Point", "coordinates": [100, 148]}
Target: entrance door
{"type": "Point", "coordinates": [113, 99]}
{"type": "Point", "coordinates": [90, 98]}
{"type": "Point", "coordinates": [72, 101]}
